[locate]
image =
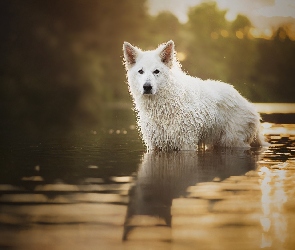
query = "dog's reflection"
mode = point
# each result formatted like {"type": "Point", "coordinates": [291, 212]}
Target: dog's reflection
{"type": "Point", "coordinates": [163, 176]}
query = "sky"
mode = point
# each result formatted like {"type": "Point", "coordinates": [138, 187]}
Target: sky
{"type": "Point", "coordinates": [264, 14]}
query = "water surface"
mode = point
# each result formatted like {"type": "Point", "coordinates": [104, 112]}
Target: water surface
{"type": "Point", "coordinates": [95, 186]}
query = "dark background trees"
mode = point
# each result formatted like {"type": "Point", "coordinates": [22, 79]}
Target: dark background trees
{"type": "Point", "coordinates": [61, 61]}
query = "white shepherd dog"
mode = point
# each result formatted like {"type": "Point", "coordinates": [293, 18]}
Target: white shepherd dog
{"type": "Point", "coordinates": [176, 111]}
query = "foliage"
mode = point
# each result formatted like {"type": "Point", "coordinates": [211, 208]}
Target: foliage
{"type": "Point", "coordinates": [275, 69]}
{"type": "Point", "coordinates": [61, 61]}
{"type": "Point", "coordinates": [206, 50]}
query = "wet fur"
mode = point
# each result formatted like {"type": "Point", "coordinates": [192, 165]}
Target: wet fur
{"type": "Point", "coordinates": [184, 112]}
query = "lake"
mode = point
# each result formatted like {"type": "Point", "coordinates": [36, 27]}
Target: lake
{"type": "Point", "coordinates": [95, 187]}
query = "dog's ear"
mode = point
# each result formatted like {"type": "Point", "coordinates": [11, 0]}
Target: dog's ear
{"type": "Point", "coordinates": [130, 54]}
{"type": "Point", "coordinates": [167, 53]}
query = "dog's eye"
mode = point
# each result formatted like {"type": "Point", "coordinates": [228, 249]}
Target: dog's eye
{"type": "Point", "coordinates": [156, 71]}
{"type": "Point", "coordinates": [140, 71]}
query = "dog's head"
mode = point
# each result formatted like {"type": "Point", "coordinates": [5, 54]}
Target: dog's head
{"type": "Point", "coordinates": [147, 71]}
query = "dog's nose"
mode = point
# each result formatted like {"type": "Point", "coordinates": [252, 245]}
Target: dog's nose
{"type": "Point", "coordinates": [147, 88]}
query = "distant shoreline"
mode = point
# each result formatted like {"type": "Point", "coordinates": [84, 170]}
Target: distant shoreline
{"type": "Point", "coordinates": [275, 108]}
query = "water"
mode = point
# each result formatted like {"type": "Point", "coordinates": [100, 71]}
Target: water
{"type": "Point", "coordinates": [96, 188]}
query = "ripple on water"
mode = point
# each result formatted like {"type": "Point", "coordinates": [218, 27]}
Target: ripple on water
{"type": "Point", "coordinates": [183, 200]}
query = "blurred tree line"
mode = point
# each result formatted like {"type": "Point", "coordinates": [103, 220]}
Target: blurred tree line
{"type": "Point", "coordinates": [61, 61]}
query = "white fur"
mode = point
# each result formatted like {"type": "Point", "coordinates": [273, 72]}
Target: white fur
{"type": "Point", "coordinates": [184, 112]}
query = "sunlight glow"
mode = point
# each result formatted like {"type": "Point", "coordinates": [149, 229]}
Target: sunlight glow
{"type": "Point", "coordinates": [258, 33]}
{"type": "Point", "coordinates": [181, 56]}
{"type": "Point", "coordinates": [280, 8]}
{"type": "Point", "coordinates": [265, 222]}
{"type": "Point", "coordinates": [273, 197]}
{"type": "Point", "coordinates": [282, 108]}
{"type": "Point", "coordinates": [266, 125]}
{"type": "Point", "coordinates": [224, 33]}
{"type": "Point", "coordinates": [231, 15]}
{"type": "Point", "coordinates": [280, 197]}
{"type": "Point", "coordinates": [178, 8]}
{"type": "Point", "coordinates": [265, 241]}
{"type": "Point", "coordinates": [239, 34]}
{"type": "Point", "coordinates": [276, 12]}
{"type": "Point", "coordinates": [214, 35]}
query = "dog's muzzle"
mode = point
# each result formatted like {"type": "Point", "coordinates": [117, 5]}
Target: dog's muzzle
{"type": "Point", "coordinates": [147, 88]}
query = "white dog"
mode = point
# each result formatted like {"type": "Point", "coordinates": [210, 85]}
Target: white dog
{"type": "Point", "coordinates": [176, 111]}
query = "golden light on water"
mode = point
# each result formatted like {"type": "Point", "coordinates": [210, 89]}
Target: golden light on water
{"type": "Point", "coordinates": [265, 223]}
{"type": "Point", "coordinates": [271, 128]}
{"type": "Point", "coordinates": [268, 108]}
{"type": "Point", "coordinates": [266, 125]}
{"type": "Point", "coordinates": [273, 197]}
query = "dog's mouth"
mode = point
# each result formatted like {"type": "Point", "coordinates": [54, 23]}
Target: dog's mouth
{"type": "Point", "coordinates": [147, 92]}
